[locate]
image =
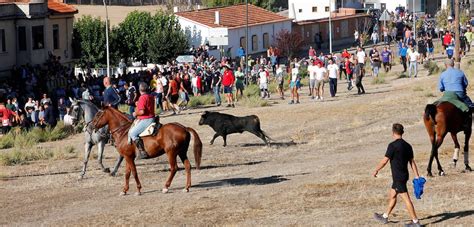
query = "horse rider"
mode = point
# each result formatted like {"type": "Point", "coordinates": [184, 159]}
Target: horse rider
{"type": "Point", "coordinates": [455, 80]}
{"type": "Point", "coordinates": [111, 98]}
{"type": "Point", "coordinates": [145, 116]}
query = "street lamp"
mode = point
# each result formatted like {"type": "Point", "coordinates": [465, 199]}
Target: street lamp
{"type": "Point", "coordinates": [107, 38]}
{"type": "Point", "coordinates": [247, 67]}
{"type": "Point", "coordinates": [330, 29]}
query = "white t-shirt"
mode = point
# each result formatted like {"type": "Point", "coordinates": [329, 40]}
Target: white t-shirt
{"type": "Point", "coordinates": [294, 74]}
{"type": "Point", "coordinates": [333, 71]}
{"type": "Point", "coordinates": [263, 77]}
{"type": "Point", "coordinates": [413, 55]}
{"type": "Point", "coordinates": [67, 119]}
{"type": "Point", "coordinates": [312, 71]}
{"type": "Point", "coordinates": [320, 73]}
{"type": "Point", "coordinates": [164, 81]}
{"type": "Point", "coordinates": [361, 56]}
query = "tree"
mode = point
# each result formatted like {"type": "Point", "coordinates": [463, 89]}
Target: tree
{"type": "Point", "coordinates": [167, 39]}
{"type": "Point", "coordinates": [289, 42]}
{"type": "Point", "coordinates": [89, 41]}
{"type": "Point", "coordinates": [134, 33]}
{"type": "Point", "coordinates": [266, 4]}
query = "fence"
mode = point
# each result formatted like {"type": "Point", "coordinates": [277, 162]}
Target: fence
{"type": "Point", "coordinates": [135, 2]}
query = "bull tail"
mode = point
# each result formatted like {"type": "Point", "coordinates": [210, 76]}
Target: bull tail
{"type": "Point", "coordinates": [197, 147]}
{"type": "Point", "coordinates": [430, 113]}
{"type": "Point", "coordinates": [266, 136]}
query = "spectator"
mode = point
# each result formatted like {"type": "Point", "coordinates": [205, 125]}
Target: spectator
{"type": "Point", "coordinates": [311, 53]}
{"type": "Point", "coordinates": [62, 108]}
{"type": "Point", "coordinates": [45, 100]}
{"type": "Point", "coordinates": [357, 73]}
{"type": "Point", "coordinates": [320, 76]}
{"type": "Point", "coordinates": [68, 119]}
{"type": "Point", "coordinates": [216, 86]}
{"type": "Point", "coordinates": [131, 97]}
{"type": "Point", "coordinates": [402, 52]}
{"type": "Point", "coordinates": [386, 59]}
{"type": "Point", "coordinates": [294, 84]}
{"type": "Point", "coordinates": [413, 57]}
{"type": "Point", "coordinates": [8, 117]}
{"type": "Point", "coordinates": [239, 83]}
{"type": "Point", "coordinates": [375, 61]}
{"type": "Point", "coordinates": [263, 83]}
{"type": "Point", "coordinates": [280, 78]}
{"type": "Point", "coordinates": [333, 70]}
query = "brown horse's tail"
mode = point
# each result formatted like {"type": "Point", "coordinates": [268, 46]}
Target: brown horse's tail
{"type": "Point", "coordinates": [197, 147]}
{"type": "Point", "coordinates": [430, 112]}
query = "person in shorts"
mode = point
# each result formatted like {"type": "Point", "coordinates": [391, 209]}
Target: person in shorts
{"type": "Point", "coordinates": [400, 154]}
{"type": "Point", "coordinates": [228, 80]}
{"type": "Point", "coordinates": [280, 80]}
{"type": "Point", "coordinates": [294, 85]}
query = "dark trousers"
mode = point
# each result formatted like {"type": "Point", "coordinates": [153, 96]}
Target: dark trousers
{"type": "Point", "coordinates": [404, 62]}
{"type": "Point", "coordinates": [360, 87]}
{"type": "Point", "coordinates": [333, 86]}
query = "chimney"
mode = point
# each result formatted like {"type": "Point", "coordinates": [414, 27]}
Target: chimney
{"type": "Point", "coordinates": [175, 9]}
{"type": "Point", "coordinates": [218, 18]}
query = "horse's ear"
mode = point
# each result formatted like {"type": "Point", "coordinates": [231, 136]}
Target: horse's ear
{"type": "Point", "coordinates": [72, 100]}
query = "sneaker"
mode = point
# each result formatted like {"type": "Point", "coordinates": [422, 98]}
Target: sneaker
{"type": "Point", "coordinates": [291, 102]}
{"type": "Point", "coordinates": [411, 224]}
{"type": "Point", "coordinates": [233, 106]}
{"type": "Point", "coordinates": [380, 218]}
{"type": "Point", "coordinates": [228, 105]}
{"type": "Point", "coordinates": [297, 102]}
{"type": "Point", "coordinates": [322, 99]}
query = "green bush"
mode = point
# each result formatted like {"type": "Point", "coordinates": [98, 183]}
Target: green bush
{"type": "Point", "coordinates": [254, 101]}
{"type": "Point", "coordinates": [22, 156]}
{"type": "Point", "coordinates": [432, 67]}
{"type": "Point", "coordinates": [7, 141]}
{"type": "Point", "coordinates": [23, 139]}
{"type": "Point", "coordinates": [202, 100]}
{"type": "Point", "coordinates": [60, 132]}
{"type": "Point", "coordinates": [379, 80]}
{"type": "Point", "coordinates": [252, 90]}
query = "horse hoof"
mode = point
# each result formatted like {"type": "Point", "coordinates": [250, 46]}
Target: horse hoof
{"type": "Point", "coordinates": [81, 177]}
{"type": "Point", "coordinates": [113, 174]}
{"type": "Point", "coordinates": [186, 190]}
{"type": "Point", "coordinates": [468, 169]}
{"type": "Point", "coordinates": [123, 194]}
{"type": "Point", "coordinates": [165, 190]}
{"type": "Point", "coordinates": [138, 194]}
{"type": "Point", "coordinates": [429, 174]}
{"type": "Point", "coordinates": [106, 170]}
{"type": "Point", "coordinates": [441, 173]}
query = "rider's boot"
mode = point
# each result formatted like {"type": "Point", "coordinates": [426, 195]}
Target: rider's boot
{"type": "Point", "coordinates": [141, 153]}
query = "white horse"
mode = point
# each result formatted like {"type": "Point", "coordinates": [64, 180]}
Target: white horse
{"type": "Point", "coordinates": [87, 110]}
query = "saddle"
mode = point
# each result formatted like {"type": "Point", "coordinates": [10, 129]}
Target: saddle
{"type": "Point", "coordinates": [451, 97]}
{"type": "Point", "coordinates": [152, 129]}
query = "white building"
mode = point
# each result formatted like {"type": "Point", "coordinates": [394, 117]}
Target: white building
{"type": "Point", "coordinates": [302, 10]}
{"type": "Point", "coordinates": [200, 25]}
{"type": "Point", "coordinates": [31, 30]}
{"type": "Point", "coordinates": [424, 6]}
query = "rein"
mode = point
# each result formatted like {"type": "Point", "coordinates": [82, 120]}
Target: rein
{"type": "Point", "coordinates": [120, 127]}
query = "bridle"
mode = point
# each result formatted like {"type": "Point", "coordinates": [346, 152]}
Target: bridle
{"type": "Point", "coordinates": [99, 115]}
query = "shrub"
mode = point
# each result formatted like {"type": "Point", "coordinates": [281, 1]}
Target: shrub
{"type": "Point", "coordinates": [379, 80]}
{"type": "Point", "coordinates": [202, 100]}
{"type": "Point", "coordinates": [7, 141]}
{"type": "Point", "coordinates": [255, 101]}
{"type": "Point", "coordinates": [432, 67]}
{"type": "Point", "coordinates": [252, 90]}
{"type": "Point", "coordinates": [20, 156]}
{"type": "Point", "coordinates": [61, 131]}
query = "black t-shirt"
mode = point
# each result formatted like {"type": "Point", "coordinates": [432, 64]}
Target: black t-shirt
{"type": "Point", "coordinates": [430, 43]}
{"type": "Point", "coordinates": [215, 78]}
{"type": "Point", "coordinates": [421, 46]}
{"type": "Point", "coordinates": [400, 153]}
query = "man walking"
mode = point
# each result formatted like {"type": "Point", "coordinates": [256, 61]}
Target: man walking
{"type": "Point", "coordinates": [111, 98]}
{"type": "Point", "coordinates": [228, 82]}
{"type": "Point", "coordinates": [333, 70]}
{"type": "Point", "coordinates": [400, 154]}
{"type": "Point", "coordinates": [413, 57]}
{"type": "Point", "coordinates": [402, 52]}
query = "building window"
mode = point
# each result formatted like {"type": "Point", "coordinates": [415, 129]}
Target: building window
{"type": "Point", "coordinates": [327, 8]}
{"type": "Point", "coordinates": [315, 9]}
{"type": "Point", "coordinates": [254, 43]}
{"type": "Point", "coordinates": [22, 38]}
{"type": "Point", "coordinates": [37, 34]}
{"type": "Point", "coordinates": [3, 43]}
{"type": "Point", "coordinates": [266, 40]}
{"type": "Point", "coordinates": [243, 43]}
{"type": "Point", "coordinates": [300, 10]}
{"type": "Point", "coordinates": [55, 36]}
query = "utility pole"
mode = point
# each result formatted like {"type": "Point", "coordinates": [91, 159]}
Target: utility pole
{"type": "Point", "coordinates": [414, 21]}
{"type": "Point", "coordinates": [457, 58]}
{"type": "Point", "coordinates": [330, 29]}
{"type": "Point", "coordinates": [247, 67]}
{"type": "Point", "coordinates": [107, 38]}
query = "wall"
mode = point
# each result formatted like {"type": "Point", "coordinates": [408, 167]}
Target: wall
{"type": "Point", "coordinates": [258, 30]}
{"type": "Point", "coordinates": [8, 59]}
{"type": "Point", "coordinates": [307, 9]}
{"type": "Point", "coordinates": [197, 34]}
{"type": "Point", "coordinates": [65, 37]}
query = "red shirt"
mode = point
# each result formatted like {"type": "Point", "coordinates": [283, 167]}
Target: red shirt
{"type": "Point", "coordinates": [348, 67]}
{"type": "Point", "coordinates": [146, 103]}
{"type": "Point", "coordinates": [447, 39]}
{"type": "Point", "coordinates": [174, 87]}
{"type": "Point", "coordinates": [228, 78]}
{"type": "Point", "coordinates": [6, 115]}
{"type": "Point", "coordinates": [346, 54]}
{"type": "Point", "coordinates": [312, 53]}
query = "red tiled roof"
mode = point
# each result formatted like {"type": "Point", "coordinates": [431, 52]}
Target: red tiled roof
{"type": "Point", "coordinates": [60, 8]}
{"type": "Point", "coordinates": [232, 16]}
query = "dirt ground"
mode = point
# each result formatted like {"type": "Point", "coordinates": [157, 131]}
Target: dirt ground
{"type": "Point", "coordinates": [317, 172]}
{"type": "Point", "coordinates": [116, 13]}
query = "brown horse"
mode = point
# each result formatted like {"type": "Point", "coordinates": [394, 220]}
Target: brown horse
{"type": "Point", "coordinates": [172, 139]}
{"type": "Point", "coordinates": [439, 120]}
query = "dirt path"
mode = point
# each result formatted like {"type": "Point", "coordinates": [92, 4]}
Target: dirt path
{"type": "Point", "coordinates": [318, 174]}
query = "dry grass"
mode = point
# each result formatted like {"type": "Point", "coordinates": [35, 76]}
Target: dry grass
{"type": "Point", "coordinates": [21, 156]}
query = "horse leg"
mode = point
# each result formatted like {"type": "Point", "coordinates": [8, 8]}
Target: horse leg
{"type": "Point", "coordinates": [100, 150]}
{"type": "Point", "coordinates": [466, 149]}
{"type": "Point", "coordinates": [87, 152]}
{"type": "Point", "coordinates": [187, 167]}
{"type": "Point", "coordinates": [173, 169]}
{"type": "Point", "coordinates": [438, 144]}
{"type": "Point", "coordinates": [430, 162]}
{"type": "Point", "coordinates": [456, 148]}
{"type": "Point", "coordinates": [127, 176]}
{"type": "Point", "coordinates": [135, 175]}
{"type": "Point", "coordinates": [117, 165]}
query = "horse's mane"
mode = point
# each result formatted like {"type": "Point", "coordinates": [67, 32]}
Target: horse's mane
{"type": "Point", "coordinates": [117, 113]}
{"type": "Point", "coordinates": [89, 103]}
